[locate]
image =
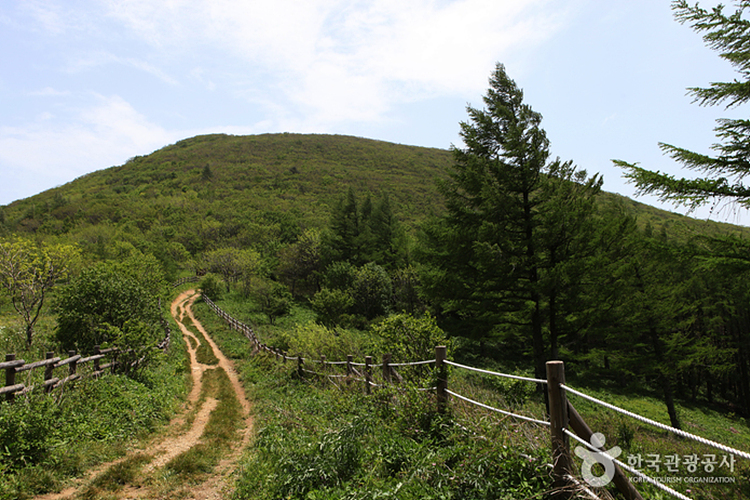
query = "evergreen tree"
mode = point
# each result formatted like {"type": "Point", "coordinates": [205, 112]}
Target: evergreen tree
{"type": "Point", "coordinates": [488, 260]}
{"type": "Point", "coordinates": [725, 172]}
{"type": "Point", "coordinates": [343, 239]}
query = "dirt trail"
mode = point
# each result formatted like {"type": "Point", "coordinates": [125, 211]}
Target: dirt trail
{"type": "Point", "coordinates": [176, 439]}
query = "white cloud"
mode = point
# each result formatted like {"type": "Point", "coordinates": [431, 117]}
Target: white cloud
{"type": "Point", "coordinates": [50, 152]}
{"type": "Point", "coordinates": [349, 61]}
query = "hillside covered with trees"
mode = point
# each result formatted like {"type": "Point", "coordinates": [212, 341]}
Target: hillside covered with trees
{"type": "Point", "coordinates": [509, 255]}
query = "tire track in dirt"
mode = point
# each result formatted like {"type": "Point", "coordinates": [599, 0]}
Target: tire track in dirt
{"type": "Point", "coordinates": [216, 485]}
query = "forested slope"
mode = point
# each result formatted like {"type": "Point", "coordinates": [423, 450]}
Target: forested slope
{"type": "Point", "coordinates": [219, 189]}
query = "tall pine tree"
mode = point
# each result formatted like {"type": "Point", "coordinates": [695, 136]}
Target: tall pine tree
{"type": "Point", "coordinates": [486, 262]}
{"type": "Point", "coordinates": [724, 173]}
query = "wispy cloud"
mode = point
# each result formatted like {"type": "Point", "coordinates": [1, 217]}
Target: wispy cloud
{"type": "Point", "coordinates": [50, 151]}
{"type": "Point", "coordinates": [344, 60]}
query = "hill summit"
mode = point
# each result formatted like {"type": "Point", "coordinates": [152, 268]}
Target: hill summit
{"type": "Point", "coordinates": [218, 189]}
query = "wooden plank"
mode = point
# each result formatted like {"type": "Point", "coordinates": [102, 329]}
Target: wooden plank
{"type": "Point", "coordinates": [622, 482]}
{"type": "Point", "coordinates": [11, 388]}
{"type": "Point", "coordinates": [72, 359]}
{"type": "Point", "coordinates": [51, 382]}
{"type": "Point", "coordinates": [91, 358]}
{"type": "Point", "coordinates": [38, 364]}
{"type": "Point", "coordinates": [558, 419]}
{"type": "Point", "coordinates": [12, 364]}
{"type": "Point", "coordinates": [69, 378]}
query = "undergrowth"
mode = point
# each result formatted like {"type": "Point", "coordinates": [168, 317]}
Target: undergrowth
{"type": "Point", "coordinates": [47, 438]}
{"type": "Point", "coordinates": [317, 440]}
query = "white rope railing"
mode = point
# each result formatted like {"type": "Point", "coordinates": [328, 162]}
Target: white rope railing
{"type": "Point", "coordinates": [659, 425]}
{"type": "Point", "coordinates": [488, 372]}
{"type": "Point", "coordinates": [487, 407]}
{"type": "Point", "coordinates": [628, 468]}
{"type": "Point", "coordinates": [413, 363]}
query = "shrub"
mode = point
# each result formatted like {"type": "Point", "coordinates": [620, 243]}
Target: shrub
{"type": "Point", "coordinates": [212, 286]}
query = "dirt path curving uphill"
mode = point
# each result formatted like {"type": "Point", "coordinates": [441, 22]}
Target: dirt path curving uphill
{"type": "Point", "coordinates": [176, 439]}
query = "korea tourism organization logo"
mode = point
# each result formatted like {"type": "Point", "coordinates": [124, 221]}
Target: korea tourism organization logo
{"type": "Point", "coordinates": [696, 466]}
{"type": "Point", "coordinates": [590, 458]}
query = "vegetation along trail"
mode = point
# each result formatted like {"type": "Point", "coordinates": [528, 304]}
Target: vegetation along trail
{"type": "Point", "coordinates": [195, 456]}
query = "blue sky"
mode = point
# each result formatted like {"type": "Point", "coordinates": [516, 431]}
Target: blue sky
{"type": "Point", "coordinates": [87, 84]}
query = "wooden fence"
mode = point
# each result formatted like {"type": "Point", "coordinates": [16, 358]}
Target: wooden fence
{"type": "Point", "coordinates": [563, 417]}
{"type": "Point", "coordinates": [73, 362]}
{"type": "Point", "coordinates": [13, 366]}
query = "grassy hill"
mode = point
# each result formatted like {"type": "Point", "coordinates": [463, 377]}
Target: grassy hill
{"type": "Point", "coordinates": [249, 190]}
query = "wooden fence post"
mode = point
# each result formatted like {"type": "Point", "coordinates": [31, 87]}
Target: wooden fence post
{"type": "Point", "coordinates": [387, 367]}
{"type": "Point", "coordinates": [300, 373]}
{"type": "Point", "coordinates": [558, 418]}
{"type": "Point", "coordinates": [622, 482]}
{"type": "Point", "coordinates": [10, 376]}
{"type": "Point", "coordinates": [72, 365]}
{"type": "Point", "coordinates": [323, 364]}
{"type": "Point", "coordinates": [48, 371]}
{"type": "Point", "coordinates": [349, 372]}
{"type": "Point", "coordinates": [368, 374]}
{"type": "Point", "coordinates": [442, 378]}
{"type": "Point", "coordinates": [97, 351]}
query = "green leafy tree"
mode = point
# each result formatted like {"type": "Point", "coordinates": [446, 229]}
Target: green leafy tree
{"type": "Point", "coordinates": [723, 173]}
{"type": "Point", "coordinates": [273, 297]}
{"type": "Point", "coordinates": [28, 271]}
{"type": "Point", "coordinates": [232, 263]}
{"type": "Point", "coordinates": [372, 290]}
{"type": "Point", "coordinates": [301, 261]}
{"type": "Point", "coordinates": [486, 263]}
{"type": "Point", "coordinates": [109, 299]}
{"type": "Point", "coordinates": [332, 306]}
{"type": "Point", "coordinates": [410, 338]}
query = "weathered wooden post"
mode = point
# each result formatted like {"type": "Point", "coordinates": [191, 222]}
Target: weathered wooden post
{"type": "Point", "coordinates": [323, 364]}
{"type": "Point", "coordinates": [442, 378]}
{"type": "Point", "coordinates": [558, 418]}
{"type": "Point", "coordinates": [622, 482]}
{"type": "Point", "coordinates": [10, 376]}
{"type": "Point", "coordinates": [48, 371]}
{"type": "Point", "coordinates": [368, 374]}
{"type": "Point", "coordinates": [299, 367]}
{"type": "Point", "coordinates": [72, 366]}
{"type": "Point", "coordinates": [349, 371]}
{"type": "Point", "coordinates": [387, 368]}
{"type": "Point", "coordinates": [97, 351]}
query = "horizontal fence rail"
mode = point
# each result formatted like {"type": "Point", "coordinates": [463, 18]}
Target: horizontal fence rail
{"type": "Point", "coordinates": [13, 366]}
{"type": "Point", "coordinates": [562, 415]}
{"type": "Point", "coordinates": [74, 361]}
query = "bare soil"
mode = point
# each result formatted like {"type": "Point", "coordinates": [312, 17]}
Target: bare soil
{"type": "Point", "coordinates": [178, 436]}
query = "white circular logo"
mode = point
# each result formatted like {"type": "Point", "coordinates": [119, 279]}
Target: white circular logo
{"type": "Point", "coordinates": [592, 457]}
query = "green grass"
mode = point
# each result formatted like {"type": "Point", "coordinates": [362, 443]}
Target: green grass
{"type": "Point", "coordinates": [398, 447]}
{"type": "Point", "coordinates": [46, 439]}
{"type": "Point", "coordinates": [115, 477]}
{"type": "Point", "coordinates": [315, 440]}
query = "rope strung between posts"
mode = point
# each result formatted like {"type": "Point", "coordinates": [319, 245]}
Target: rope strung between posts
{"type": "Point", "coordinates": [628, 468]}
{"type": "Point", "coordinates": [515, 415]}
{"type": "Point", "coordinates": [414, 363]}
{"type": "Point", "coordinates": [488, 372]}
{"type": "Point", "coordinates": [679, 432]}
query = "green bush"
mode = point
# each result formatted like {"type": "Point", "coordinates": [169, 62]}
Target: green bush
{"type": "Point", "coordinates": [98, 305]}
{"type": "Point", "coordinates": [331, 306]}
{"type": "Point", "coordinates": [212, 286]}
{"type": "Point", "coordinates": [27, 431]}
